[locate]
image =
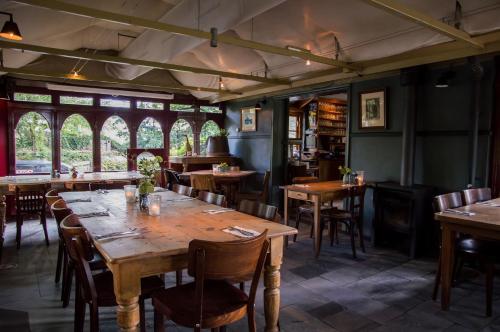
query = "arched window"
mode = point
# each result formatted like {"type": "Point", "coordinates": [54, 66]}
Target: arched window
{"type": "Point", "coordinates": [76, 144]}
{"type": "Point", "coordinates": [149, 134]}
{"type": "Point", "coordinates": [33, 145]}
{"type": "Point", "coordinates": [180, 129]}
{"type": "Point", "coordinates": [115, 139]}
{"type": "Point", "coordinates": [210, 128]}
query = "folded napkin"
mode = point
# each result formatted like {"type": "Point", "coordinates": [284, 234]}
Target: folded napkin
{"type": "Point", "coordinates": [241, 232]}
{"type": "Point", "coordinates": [179, 199]}
{"type": "Point", "coordinates": [159, 189]}
{"type": "Point", "coordinates": [94, 214]}
{"type": "Point", "coordinates": [76, 200]}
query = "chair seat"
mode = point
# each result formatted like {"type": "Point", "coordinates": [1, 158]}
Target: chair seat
{"type": "Point", "coordinates": [309, 208]}
{"type": "Point", "coordinates": [105, 290]}
{"type": "Point", "coordinates": [220, 299]}
{"type": "Point", "coordinates": [477, 247]}
{"type": "Point", "coordinates": [341, 214]}
{"type": "Point", "coordinates": [97, 262]}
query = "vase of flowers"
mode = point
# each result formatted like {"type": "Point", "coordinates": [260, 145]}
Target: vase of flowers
{"type": "Point", "coordinates": [346, 174]}
{"type": "Point", "coordinates": [147, 167]}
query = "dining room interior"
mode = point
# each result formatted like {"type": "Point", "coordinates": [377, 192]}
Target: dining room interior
{"type": "Point", "coordinates": [249, 165]}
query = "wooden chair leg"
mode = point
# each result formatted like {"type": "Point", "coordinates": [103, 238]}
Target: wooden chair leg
{"type": "Point", "coordinates": [297, 223]}
{"type": "Point", "coordinates": [242, 286]}
{"type": "Point", "coordinates": [331, 234]}
{"type": "Point", "coordinates": [437, 280]}
{"type": "Point", "coordinates": [361, 236]}
{"type": "Point", "coordinates": [67, 285]}
{"type": "Point", "coordinates": [490, 271]}
{"type": "Point", "coordinates": [222, 328]}
{"type": "Point", "coordinates": [64, 272]}
{"type": "Point", "coordinates": [94, 318]}
{"type": "Point", "coordinates": [19, 225]}
{"type": "Point", "coordinates": [158, 322]}
{"type": "Point", "coordinates": [251, 319]}
{"type": "Point", "coordinates": [457, 266]}
{"type": "Point", "coordinates": [353, 242]}
{"type": "Point", "coordinates": [60, 251]}
{"type": "Point", "coordinates": [1, 248]}
{"type": "Point", "coordinates": [178, 277]}
{"type": "Point", "coordinates": [142, 314]}
{"type": "Point", "coordinates": [43, 221]}
{"type": "Point", "coordinates": [79, 309]}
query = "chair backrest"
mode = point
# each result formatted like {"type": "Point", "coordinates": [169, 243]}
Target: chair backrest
{"type": "Point", "coordinates": [60, 211]}
{"type": "Point", "coordinates": [212, 198]}
{"type": "Point", "coordinates": [204, 182]}
{"type": "Point", "coordinates": [304, 179]}
{"type": "Point", "coordinates": [296, 171]}
{"type": "Point", "coordinates": [82, 186]}
{"type": "Point", "coordinates": [259, 210]}
{"type": "Point", "coordinates": [159, 178]}
{"type": "Point", "coordinates": [52, 196]}
{"type": "Point", "coordinates": [447, 201]}
{"type": "Point", "coordinates": [356, 199]}
{"type": "Point", "coordinates": [235, 261]}
{"type": "Point", "coordinates": [172, 178]}
{"type": "Point", "coordinates": [30, 198]}
{"type": "Point", "coordinates": [70, 228]}
{"type": "Point", "coordinates": [475, 195]}
{"type": "Point", "coordinates": [183, 190]}
{"type": "Point", "coordinates": [264, 195]}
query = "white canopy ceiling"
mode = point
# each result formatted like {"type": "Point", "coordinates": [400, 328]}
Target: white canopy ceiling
{"type": "Point", "coordinates": [364, 32]}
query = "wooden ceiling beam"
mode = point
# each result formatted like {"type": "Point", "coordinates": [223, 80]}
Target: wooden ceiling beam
{"type": "Point", "coordinates": [155, 25]}
{"type": "Point", "coordinates": [138, 83]}
{"type": "Point", "coordinates": [396, 7]}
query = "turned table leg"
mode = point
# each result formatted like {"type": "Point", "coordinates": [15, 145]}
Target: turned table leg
{"type": "Point", "coordinates": [127, 286]}
{"type": "Point", "coordinates": [317, 228]}
{"type": "Point", "coordinates": [272, 280]}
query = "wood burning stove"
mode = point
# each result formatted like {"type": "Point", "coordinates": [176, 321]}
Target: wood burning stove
{"type": "Point", "coordinates": [403, 215]}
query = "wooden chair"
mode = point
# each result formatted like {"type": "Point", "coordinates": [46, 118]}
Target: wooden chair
{"type": "Point", "coordinates": [260, 196]}
{"type": "Point", "coordinates": [51, 197]}
{"type": "Point", "coordinates": [60, 211]}
{"type": "Point", "coordinates": [203, 182]}
{"type": "Point", "coordinates": [3, 213]}
{"type": "Point", "coordinates": [172, 178]}
{"type": "Point", "coordinates": [352, 218]}
{"type": "Point", "coordinates": [82, 186]}
{"type": "Point", "coordinates": [474, 195]}
{"type": "Point", "coordinates": [259, 210]}
{"type": "Point", "coordinates": [468, 248]}
{"type": "Point", "coordinates": [70, 226]}
{"type": "Point", "coordinates": [212, 198]}
{"type": "Point", "coordinates": [96, 290]}
{"type": "Point", "coordinates": [183, 190]}
{"type": "Point", "coordinates": [30, 200]}
{"type": "Point", "coordinates": [212, 301]}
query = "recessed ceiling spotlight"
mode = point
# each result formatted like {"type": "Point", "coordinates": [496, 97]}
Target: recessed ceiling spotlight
{"type": "Point", "coordinates": [308, 62]}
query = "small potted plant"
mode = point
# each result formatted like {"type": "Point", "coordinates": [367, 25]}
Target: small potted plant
{"type": "Point", "coordinates": [346, 174]}
{"type": "Point", "coordinates": [147, 167]}
{"type": "Point", "coordinates": [74, 172]}
{"type": "Point", "coordinates": [223, 167]}
{"type": "Point", "coordinates": [217, 145]}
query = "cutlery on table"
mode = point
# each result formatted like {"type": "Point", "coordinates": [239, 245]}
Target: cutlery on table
{"type": "Point", "coordinates": [463, 213]}
{"type": "Point", "coordinates": [241, 231]}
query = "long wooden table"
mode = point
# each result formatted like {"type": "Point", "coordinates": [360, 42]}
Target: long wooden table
{"type": "Point", "coordinates": [8, 183]}
{"type": "Point", "coordinates": [485, 224]}
{"type": "Point", "coordinates": [163, 245]}
{"type": "Point", "coordinates": [317, 193]}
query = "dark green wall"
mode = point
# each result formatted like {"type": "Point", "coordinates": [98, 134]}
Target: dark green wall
{"type": "Point", "coordinates": [443, 152]}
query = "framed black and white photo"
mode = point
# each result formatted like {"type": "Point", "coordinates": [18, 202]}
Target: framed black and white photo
{"type": "Point", "coordinates": [372, 110]}
{"type": "Point", "coordinates": [248, 120]}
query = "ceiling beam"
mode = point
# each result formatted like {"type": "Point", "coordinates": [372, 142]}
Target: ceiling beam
{"type": "Point", "coordinates": [396, 7]}
{"type": "Point", "coordinates": [143, 84]}
{"type": "Point", "coordinates": [155, 25]}
{"type": "Point", "coordinates": [121, 60]}
{"type": "Point", "coordinates": [422, 56]}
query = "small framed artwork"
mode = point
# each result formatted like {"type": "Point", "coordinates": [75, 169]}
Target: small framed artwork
{"type": "Point", "coordinates": [373, 110]}
{"type": "Point", "coordinates": [248, 120]}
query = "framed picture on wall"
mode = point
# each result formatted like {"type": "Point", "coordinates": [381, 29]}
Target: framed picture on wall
{"type": "Point", "coordinates": [373, 110]}
{"type": "Point", "coordinates": [248, 119]}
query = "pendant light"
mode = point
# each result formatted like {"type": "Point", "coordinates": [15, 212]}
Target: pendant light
{"type": "Point", "coordinates": [10, 29]}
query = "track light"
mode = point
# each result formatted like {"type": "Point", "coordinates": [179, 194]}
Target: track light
{"type": "Point", "coordinates": [10, 29]}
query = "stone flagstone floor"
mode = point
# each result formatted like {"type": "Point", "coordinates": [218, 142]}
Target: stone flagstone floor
{"type": "Point", "coordinates": [380, 291]}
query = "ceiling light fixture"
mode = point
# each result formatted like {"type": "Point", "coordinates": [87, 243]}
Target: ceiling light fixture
{"type": "Point", "coordinates": [221, 84]}
{"type": "Point", "coordinates": [308, 62]}
{"type": "Point", "coordinates": [443, 81]}
{"type": "Point", "coordinates": [10, 29]}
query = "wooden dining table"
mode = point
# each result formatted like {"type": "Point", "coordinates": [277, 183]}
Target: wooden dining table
{"type": "Point", "coordinates": [317, 193]}
{"type": "Point", "coordinates": [163, 242]}
{"type": "Point", "coordinates": [8, 183]}
{"type": "Point", "coordinates": [484, 223]}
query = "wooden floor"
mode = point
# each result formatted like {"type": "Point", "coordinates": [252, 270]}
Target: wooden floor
{"type": "Point", "coordinates": [380, 291]}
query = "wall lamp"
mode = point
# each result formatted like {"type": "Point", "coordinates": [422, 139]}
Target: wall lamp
{"type": "Point", "coordinates": [10, 29]}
